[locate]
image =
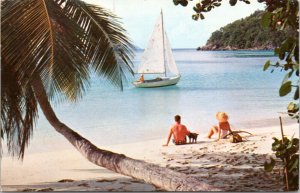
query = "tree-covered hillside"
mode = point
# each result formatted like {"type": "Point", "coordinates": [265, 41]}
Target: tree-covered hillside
{"type": "Point", "coordinates": [245, 34]}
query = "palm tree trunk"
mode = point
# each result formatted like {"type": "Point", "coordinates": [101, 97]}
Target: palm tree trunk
{"type": "Point", "coordinates": [161, 177]}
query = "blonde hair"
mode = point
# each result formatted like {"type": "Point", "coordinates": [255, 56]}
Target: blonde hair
{"type": "Point", "coordinates": [222, 116]}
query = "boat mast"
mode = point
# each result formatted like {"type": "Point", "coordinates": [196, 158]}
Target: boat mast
{"type": "Point", "coordinates": [163, 36]}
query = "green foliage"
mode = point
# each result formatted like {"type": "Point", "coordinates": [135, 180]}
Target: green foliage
{"type": "Point", "coordinates": [181, 2]}
{"type": "Point", "coordinates": [265, 20]}
{"type": "Point", "coordinates": [267, 65]}
{"type": "Point", "coordinates": [269, 165]}
{"type": "Point", "coordinates": [205, 6]}
{"type": "Point", "coordinates": [283, 15]}
{"type": "Point", "coordinates": [285, 88]}
{"type": "Point", "coordinates": [293, 109]}
{"type": "Point", "coordinates": [288, 151]}
{"type": "Point", "coordinates": [246, 34]}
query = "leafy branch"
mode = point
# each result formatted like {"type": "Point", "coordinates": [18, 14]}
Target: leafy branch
{"type": "Point", "coordinates": [288, 151]}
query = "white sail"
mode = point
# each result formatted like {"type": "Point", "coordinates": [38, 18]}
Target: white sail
{"type": "Point", "coordinates": [169, 58]}
{"type": "Point", "coordinates": [158, 59]}
{"type": "Point", "coordinates": [152, 60]}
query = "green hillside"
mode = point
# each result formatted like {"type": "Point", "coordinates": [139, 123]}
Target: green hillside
{"type": "Point", "coordinates": [245, 33]}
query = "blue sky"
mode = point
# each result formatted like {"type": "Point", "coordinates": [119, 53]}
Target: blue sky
{"type": "Point", "coordinates": [139, 17]}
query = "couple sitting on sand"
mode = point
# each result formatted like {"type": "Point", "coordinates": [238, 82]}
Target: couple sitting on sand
{"type": "Point", "coordinates": [179, 131]}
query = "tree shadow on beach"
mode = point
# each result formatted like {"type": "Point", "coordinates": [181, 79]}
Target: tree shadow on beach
{"type": "Point", "coordinates": [228, 171]}
{"type": "Point", "coordinates": [99, 171]}
{"type": "Point", "coordinates": [121, 184]}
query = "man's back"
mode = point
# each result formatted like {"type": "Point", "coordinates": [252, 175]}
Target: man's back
{"type": "Point", "coordinates": [179, 131]}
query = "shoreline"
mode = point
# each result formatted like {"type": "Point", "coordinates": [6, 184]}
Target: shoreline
{"type": "Point", "coordinates": [244, 125]}
{"type": "Point", "coordinates": [205, 160]}
{"type": "Point", "coordinates": [225, 49]}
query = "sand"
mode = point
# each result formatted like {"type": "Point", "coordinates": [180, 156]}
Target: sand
{"type": "Point", "coordinates": [227, 166]}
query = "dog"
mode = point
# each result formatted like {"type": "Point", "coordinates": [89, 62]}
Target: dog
{"type": "Point", "coordinates": [193, 137]}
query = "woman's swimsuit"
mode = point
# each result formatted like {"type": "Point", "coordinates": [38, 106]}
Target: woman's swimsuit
{"type": "Point", "coordinates": [224, 127]}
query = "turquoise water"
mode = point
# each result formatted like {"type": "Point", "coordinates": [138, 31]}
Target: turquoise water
{"type": "Point", "coordinates": [231, 81]}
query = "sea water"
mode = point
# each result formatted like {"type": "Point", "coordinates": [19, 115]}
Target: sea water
{"type": "Point", "coordinates": [211, 81]}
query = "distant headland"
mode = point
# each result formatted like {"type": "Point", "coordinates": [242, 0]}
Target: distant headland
{"type": "Point", "coordinates": [245, 34]}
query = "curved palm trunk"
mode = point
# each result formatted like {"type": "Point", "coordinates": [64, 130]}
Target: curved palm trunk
{"type": "Point", "coordinates": [161, 177]}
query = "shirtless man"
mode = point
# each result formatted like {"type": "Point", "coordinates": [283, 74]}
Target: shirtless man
{"type": "Point", "coordinates": [178, 131]}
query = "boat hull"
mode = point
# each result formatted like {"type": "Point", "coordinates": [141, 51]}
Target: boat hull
{"type": "Point", "coordinates": [157, 83]}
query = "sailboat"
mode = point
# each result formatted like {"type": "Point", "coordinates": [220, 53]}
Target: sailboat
{"type": "Point", "coordinates": [158, 59]}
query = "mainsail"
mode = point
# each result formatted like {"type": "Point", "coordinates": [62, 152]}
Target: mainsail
{"type": "Point", "coordinates": [152, 60]}
{"type": "Point", "coordinates": [157, 57]}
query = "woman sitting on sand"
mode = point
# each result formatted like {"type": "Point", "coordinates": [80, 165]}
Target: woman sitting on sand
{"type": "Point", "coordinates": [223, 128]}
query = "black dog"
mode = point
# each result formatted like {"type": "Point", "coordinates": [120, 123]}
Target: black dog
{"type": "Point", "coordinates": [193, 137]}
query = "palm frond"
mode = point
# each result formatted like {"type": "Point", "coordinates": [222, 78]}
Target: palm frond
{"type": "Point", "coordinates": [108, 49]}
{"type": "Point", "coordinates": [63, 39]}
{"type": "Point", "coordinates": [21, 22]}
{"type": "Point", "coordinates": [18, 112]}
{"type": "Point", "coordinates": [34, 46]}
{"type": "Point", "coordinates": [59, 41]}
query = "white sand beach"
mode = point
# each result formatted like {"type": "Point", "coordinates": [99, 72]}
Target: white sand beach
{"type": "Point", "coordinates": [227, 166]}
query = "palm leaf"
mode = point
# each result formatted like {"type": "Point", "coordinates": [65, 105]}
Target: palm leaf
{"type": "Point", "coordinates": [18, 112]}
{"type": "Point", "coordinates": [60, 41]}
{"type": "Point", "coordinates": [106, 42]}
{"type": "Point", "coordinates": [63, 39]}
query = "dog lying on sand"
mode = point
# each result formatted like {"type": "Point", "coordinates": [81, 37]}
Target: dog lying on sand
{"type": "Point", "coordinates": [193, 137]}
